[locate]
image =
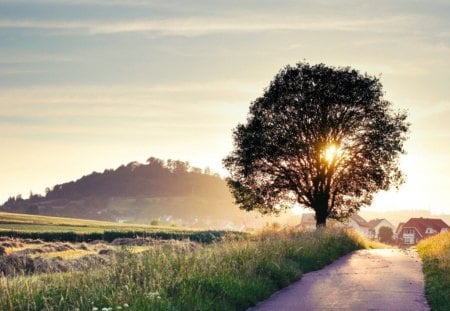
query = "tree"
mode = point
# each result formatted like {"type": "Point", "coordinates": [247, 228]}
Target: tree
{"type": "Point", "coordinates": [320, 136]}
{"type": "Point", "coordinates": [385, 234]}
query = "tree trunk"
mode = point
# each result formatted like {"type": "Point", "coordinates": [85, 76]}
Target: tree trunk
{"type": "Point", "coordinates": [321, 209]}
{"type": "Point", "coordinates": [321, 219]}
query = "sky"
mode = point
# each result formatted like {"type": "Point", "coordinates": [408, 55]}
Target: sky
{"type": "Point", "coordinates": [90, 85]}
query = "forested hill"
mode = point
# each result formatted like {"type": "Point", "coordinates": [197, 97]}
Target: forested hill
{"type": "Point", "coordinates": [158, 189]}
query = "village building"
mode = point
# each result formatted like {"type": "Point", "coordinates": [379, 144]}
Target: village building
{"type": "Point", "coordinates": [368, 230]}
{"type": "Point", "coordinates": [358, 224]}
{"type": "Point", "coordinates": [416, 229]}
{"type": "Point", "coordinates": [308, 221]}
{"type": "Point", "coordinates": [375, 225]}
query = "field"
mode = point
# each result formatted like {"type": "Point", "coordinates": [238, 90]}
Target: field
{"type": "Point", "coordinates": [78, 230]}
{"type": "Point", "coordinates": [232, 273]}
{"type": "Point", "coordinates": [435, 253]}
{"type": "Point", "coordinates": [36, 223]}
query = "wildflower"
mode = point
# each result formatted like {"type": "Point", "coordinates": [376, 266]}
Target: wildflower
{"type": "Point", "coordinates": [125, 305]}
{"type": "Point", "coordinates": [94, 309]}
{"type": "Point", "coordinates": [153, 295]}
{"type": "Point", "coordinates": [119, 308]}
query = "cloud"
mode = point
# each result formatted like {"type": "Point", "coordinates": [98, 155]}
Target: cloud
{"type": "Point", "coordinates": [214, 101]}
{"type": "Point", "coordinates": [196, 26]}
{"type": "Point", "coordinates": [29, 58]}
{"type": "Point", "coordinates": [83, 2]}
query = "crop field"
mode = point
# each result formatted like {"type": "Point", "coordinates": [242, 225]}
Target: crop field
{"type": "Point", "coordinates": [77, 230]}
{"type": "Point", "coordinates": [174, 271]}
{"type": "Point", "coordinates": [37, 223]}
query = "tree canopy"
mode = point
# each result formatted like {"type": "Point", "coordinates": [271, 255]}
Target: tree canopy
{"type": "Point", "coordinates": [320, 136]}
{"type": "Point", "coordinates": [385, 235]}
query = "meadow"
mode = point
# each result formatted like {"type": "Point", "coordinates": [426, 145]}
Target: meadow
{"type": "Point", "coordinates": [435, 254]}
{"type": "Point", "coordinates": [231, 274]}
{"type": "Point", "coordinates": [52, 229]}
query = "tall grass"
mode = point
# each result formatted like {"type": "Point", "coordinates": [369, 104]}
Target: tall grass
{"type": "Point", "coordinates": [230, 275]}
{"type": "Point", "coordinates": [207, 236]}
{"type": "Point", "coordinates": [435, 254]}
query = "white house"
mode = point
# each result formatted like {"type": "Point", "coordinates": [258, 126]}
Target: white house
{"type": "Point", "coordinates": [358, 224]}
{"type": "Point", "coordinates": [376, 224]}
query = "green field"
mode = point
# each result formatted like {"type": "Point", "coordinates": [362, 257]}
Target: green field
{"type": "Point", "coordinates": [78, 230]}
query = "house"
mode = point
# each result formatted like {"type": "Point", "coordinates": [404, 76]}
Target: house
{"type": "Point", "coordinates": [398, 230]}
{"type": "Point", "coordinates": [416, 229]}
{"type": "Point", "coordinates": [375, 225]}
{"type": "Point", "coordinates": [368, 230]}
{"type": "Point", "coordinates": [308, 221]}
{"type": "Point", "coordinates": [358, 224]}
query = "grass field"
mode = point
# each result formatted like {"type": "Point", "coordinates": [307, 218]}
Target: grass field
{"type": "Point", "coordinates": [435, 254]}
{"type": "Point", "coordinates": [78, 230]}
{"type": "Point", "coordinates": [229, 275]}
{"type": "Point", "coordinates": [37, 223]}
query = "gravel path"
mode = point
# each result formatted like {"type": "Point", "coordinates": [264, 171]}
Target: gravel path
{"type": "Point", "coordinates": [376, 279]}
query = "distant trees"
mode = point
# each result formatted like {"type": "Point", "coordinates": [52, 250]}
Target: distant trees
{"type": "Point", "coordinates": [155, 178]}
{"type": "Point", "coordinates": [319, 136]}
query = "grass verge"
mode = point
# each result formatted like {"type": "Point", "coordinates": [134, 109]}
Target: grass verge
{"type": "Point", "coordinates": [230, 275]}
{"type": "Point", "coordinates": [435, 254]}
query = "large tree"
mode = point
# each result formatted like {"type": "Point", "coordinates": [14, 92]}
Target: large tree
{"type": "Point", "coordinates": [320, 136]}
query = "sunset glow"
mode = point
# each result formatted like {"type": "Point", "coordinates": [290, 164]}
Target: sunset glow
{"type": "Point", "coordinates": [91, 85]}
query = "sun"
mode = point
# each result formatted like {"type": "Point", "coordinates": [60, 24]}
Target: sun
{"type": "Point", "coordinates": [331, 152]}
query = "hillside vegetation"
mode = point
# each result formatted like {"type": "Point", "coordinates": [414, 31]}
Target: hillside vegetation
{"type": "Point", "coordinates": [230, 275]}
{"type": "Point", "coordinates": [435, 254]}
{"type": "Point", "coordinates": [167, 191]}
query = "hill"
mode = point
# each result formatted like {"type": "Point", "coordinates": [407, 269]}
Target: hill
{"type": "Point", "coordinates": [165, 192]}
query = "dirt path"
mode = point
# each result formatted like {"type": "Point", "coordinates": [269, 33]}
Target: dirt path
{"type": "Point", "coordinates": [378, 279]}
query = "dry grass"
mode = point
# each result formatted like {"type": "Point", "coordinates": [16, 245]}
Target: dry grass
{"type": "Point", "coordinates": [37, 223]}
{"type": "Point", "coordinates": [229, 275]}
{"type": "Point", "coordinates": [435, 253]}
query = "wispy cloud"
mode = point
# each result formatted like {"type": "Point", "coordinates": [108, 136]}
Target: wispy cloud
{"type": "Point", "coordinates": [198, 100]}
{"type": "Point", "coordinates": [196, 26]}
{"type": "Point", "coordinates": [83, 2]}
{"type": "Point", "coordinates": [28, 58]}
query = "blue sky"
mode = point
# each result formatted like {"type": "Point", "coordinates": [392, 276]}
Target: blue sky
{"type": "Point", "coordinates": [89, 85]}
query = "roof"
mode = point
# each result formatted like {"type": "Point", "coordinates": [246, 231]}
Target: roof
{"type": "Point", "coordinates": [399, 227]}
{"type": "Point", "coordinates": [375, 222]}
{"type": "Point", "coordinates": [421, 224]}
{"type": "Point", "coordinates": [359, 220]}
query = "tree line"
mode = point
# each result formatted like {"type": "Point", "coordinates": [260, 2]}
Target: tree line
{"type": "Point", "coordinates": [155, 178]}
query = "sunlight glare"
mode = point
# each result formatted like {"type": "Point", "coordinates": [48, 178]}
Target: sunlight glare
{"type": "Point", "coordinates": [331, 152]}
{"type": "Point", "coordinates": [297, 210]}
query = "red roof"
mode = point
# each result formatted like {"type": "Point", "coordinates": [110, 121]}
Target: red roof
{"type": "Point", "coordinates": [421, 225]}
{"type": "Point", "coordinates": [399, 227]}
